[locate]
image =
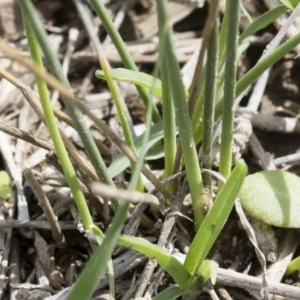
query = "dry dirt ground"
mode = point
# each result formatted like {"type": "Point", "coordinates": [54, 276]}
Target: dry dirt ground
{"type": "Point", "coordinates": [36, 266]}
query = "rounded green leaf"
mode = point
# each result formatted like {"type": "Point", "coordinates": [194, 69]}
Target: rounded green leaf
{"type": "Point", "coordinates": [272, 197]}
{"type": "Point", "coordinates": [5, 190]}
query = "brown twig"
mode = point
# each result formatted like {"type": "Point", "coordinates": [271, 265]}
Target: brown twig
{"type": "Point", "coordinates": [104, 190]}
{"type": "Point", "coordinates": [25, 136]}
{"type": "Point", "coordinates": [234, 279]}
{"type": "Point", "coordinates": [40, 224]}
{"type": "Point", "coordinates": [58, 113]}
{"type": "Point", "coordinates": [45, 204]}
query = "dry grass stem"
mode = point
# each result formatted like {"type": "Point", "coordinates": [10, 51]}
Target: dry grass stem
{"type": "Point", "coordinates": [45, 204]}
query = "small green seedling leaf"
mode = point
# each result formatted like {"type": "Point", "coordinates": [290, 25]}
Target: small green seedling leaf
{"type": "Point", "coordinates": [273, 198]}
{"type": "Point", "coordinates": [166, 260]}
{"type": "Point", "coordinates": [215, 219]}
{"type": "Point", "coordinates": [122, 162]}
{"type": "Point", "coordinates": [138, 78]}
{"type": "Point", "coordinates": [291, 4]}
{"type": "Point", "coordinates": [171, 293]}
{"type": "Point", "coordinates": [209, 270]}
{"type": "Point", "coordinates": [5, 190]}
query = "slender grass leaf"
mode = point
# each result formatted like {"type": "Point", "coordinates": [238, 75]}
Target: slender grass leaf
{"type": "Point", "coordinates": [182, 115]}
{"type": "Point", "coordinates": [215, 219]}
{"type": "Point", "coordinates": [155, 153]}
{"type": "Point", "coordinates": [209, 270]}
{"type": "Point", "coordinates": [263, 21]}
{"type": "Point", "coordinates": [122, 162]}
{"type": "Point", "coordinates": [293, 266]}
{"type": "Point", "coordinates": [88, 279]}
{"type": "Point", "coordinates": [229, 90]}
{"type": "Point", "coordinates": [121, 47]}
{"type": "Point", "coordinates": [166, 260]}
{"type": "Point", "coordinates": [266, 63]}
{"type": "Point", "coordinates": [138, 78]}
{"type": "Point", "coordinates": [260, 68]}
{"type": "Point", "coordinates": [291, 4]}
{"type": "Point", "coordinates": [172, 292]}
{"type": "Point", "coordinates": [75, 113]}
{"type": "Point", "coordinates": [197, 126]}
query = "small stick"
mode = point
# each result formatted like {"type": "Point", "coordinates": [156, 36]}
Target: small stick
{"type": "Point", "coordinates": [40, 224]}
{"type": "Point", "coordinates": [258, 91]}
{"type": "Point", "coordinates": [288, 159]}
{"type": "Point", "coordinates": [14, 267]}
{"type": "Point", "coordinates": [164, 235]}
{"type": "Point", "coordinates": [118, 20]}
{"type": "Point", "coordinates": [45, 204]}
{"type": "Point", "coordinates": [271, 123]}
{"type": "Point", "coordinates": [264, 291]}
{"type": "Point", "coordinates": [70, 274]}
{"type": "Point", "coordinates": [58, 113]}
{"type": "Point", "coordinates": [25, 136]}
{"type": "Point", "coordinates": [135, 219]}
{"type": "Point", "coordinates": [234, 279]}
{"type": "Point", "coordinates": [104, 190]}
{"type": "Point", "coordinates": [33, 99]}
{"type": "Point", "coordinates": [258, 151]}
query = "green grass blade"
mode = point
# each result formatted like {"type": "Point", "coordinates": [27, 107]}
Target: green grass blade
{"type": "Point", "coordinates": [229, 89]}
{"type": "Point", "coordinates": [170, 293]}
{"type": "Point", "coordinates": [293, 266]}
{"type": "Point", "coordinates": [215, 219]}
{"type": "Point", "coordinates": [166, 260]}
{"type": "Point", "coordinates": [75, 113]}
{"type": "Point", "coordinates": [146, 135]}
{"type": "Point", "coordinates": [122, 162]}
{"type": "Point", "coordinates": [89, 278]}
{"type": "Point", "coordinates": [121, 114]}
{"type": "Point", "coordinates": [169, 123]}
{"type": "Point", "coordinates": [263, 21]}
{"type": "Point", "coordinates": [59, 146]}
{"type": "Point", "coordinates": [266, 63]}
{"type": "Point", "coordinates": [209, 103]}
{"type": "Point", "coordinates": [219, 95]}
{"type": "Point", "coordinates": [208, 270]}
{"type": "Point", "coordinates": [260, 68]}
{"type": "Point", "coordinates": [199, 200]}
{"type": "Point", "coordinates": [138, 78]}
{"type": "Point", "coordinates": [291, 4]}
{"type": "Point", "coordinates": [109, 26]}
